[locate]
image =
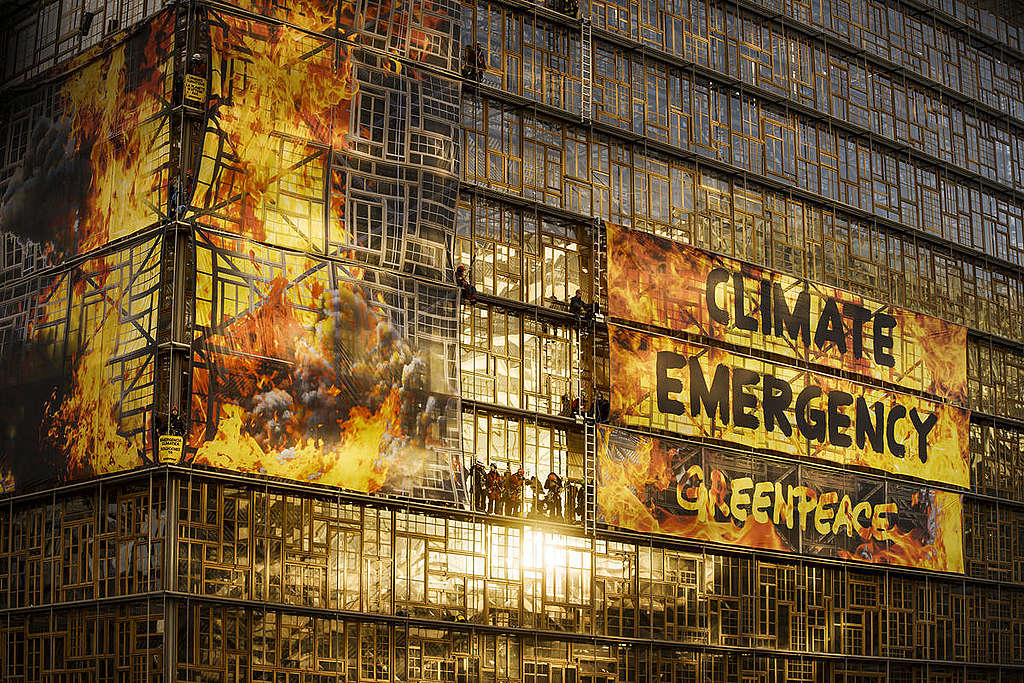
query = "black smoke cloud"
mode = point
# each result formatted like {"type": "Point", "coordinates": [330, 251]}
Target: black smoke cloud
{"type": "Point", "coordinates": [51, 187]}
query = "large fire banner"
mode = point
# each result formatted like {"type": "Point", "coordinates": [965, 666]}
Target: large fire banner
{"type": "Point", "coordinates": [706, 392]}
{"type": "Point", "coordinates": [95, 165]}
{"type": "Point", "coordinates": [315, 144]}
{"type": "Point", "coordinates": [684, 489]}
{"type": "Point", "coordinates": [76, 365]}
{"type": "Point", "coordinates": [655, 281]}
{"type": "Point", "coordinates": [324, 372]}
{"type": "Point", "coordinates": [325, 194]}
{"type": "Point", "coordinates": [79, 282]}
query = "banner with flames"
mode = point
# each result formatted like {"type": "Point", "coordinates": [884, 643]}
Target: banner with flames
{"type": "Point", "coordinates": [325, 195]}
{"type": "Point", "coordinates": [709, 393]}
{"type": "Point", "coordinates": [325, 372]}
{"type": "Point", "coordinates": [321, 192]}
{"type": "Point", "coordinates": [315, 144]}
{"type": "Point", "coordinates": [79, 286]}
{"type": "Point", "coordinates": [684, 489]}
{"type": "Point", "coordinates": [97, 135]}
{"type": "Point", "coordinates": [77, 346]}
{"type": "Point", "coordinates": [676, 287]}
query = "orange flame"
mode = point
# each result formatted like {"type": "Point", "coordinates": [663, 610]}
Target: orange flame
{"type": "Point", "coordinates": [354, 462]}
{"type": "Point", "coordinates": [106, 146]}
{"type": "Point", "coordinates": [650, 469]}
{"type": "Point", "coordinates": [938, 547]}
{"type": "Point", "coordinates": [84, 425]}
{"type": "Point", "coordinates": [942, 349]}
{"type": "Point", "coordinates": [631, 490]}
{"type": "Point", "coordinates": [311, 15]}
{"type": "Point", "coordinates": [7, 482]}
{"type": "Point", "coordinates": [116, 113]}
{"type": "Point", "coordinates": [279, 97]}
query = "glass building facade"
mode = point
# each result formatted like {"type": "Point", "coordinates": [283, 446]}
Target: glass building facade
{"type": "Point", "coordinates": [268, 203]}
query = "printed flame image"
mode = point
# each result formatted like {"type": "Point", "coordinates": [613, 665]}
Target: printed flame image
{"type": "Point", "coordinates": [272, 128]}
{"type": "Point", "coordinates": [310, 15]}
{"type": "Point", "coordinates": [337, 396]}
{"type": "Point", "coordinates": [938, 545]}
{"type": "Point", "coordinates": [641, 479]}
{"type": "Point", "coordinates": [339, 17]}
{"type": "Point", "coordinates": [84, 425]}
{"type": "Point", "coordinates": [655, 281]}
{"type": "Point", "coordinates": [85, 388]}
{"type": "Point", "coordinates": [280, 139]}
{"type": "Point", "coordinates": [314, 378]}
{"type": "Point", "coordinates": [92, 174]}
{"type": "Point", "coordinates": [944, 356]}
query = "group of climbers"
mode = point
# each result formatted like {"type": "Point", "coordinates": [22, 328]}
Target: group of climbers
{"type": "Point", "coordinates": [502, 494]}
{"type": "Point", "coordinates": [578, 408]}
{"type": "Point", "coordinates": [495, 493]}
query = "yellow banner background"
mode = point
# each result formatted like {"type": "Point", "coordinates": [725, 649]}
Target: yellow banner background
{"type": "Point", "coordinates": [634, 403]}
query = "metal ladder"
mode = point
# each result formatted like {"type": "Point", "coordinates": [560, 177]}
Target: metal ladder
{"type": "Point", "coordinates": [597, 233]}
{"type": "Point", "coordinates": [587, 68]}
{"type": "Point", "coordinates": [598, 247]}
{"type": "Point", "coordinates": [590, 422]}
{"type": "Point", "coordinates": [581, 359]}
{"type": "Point", "coordinates": [590, 475]}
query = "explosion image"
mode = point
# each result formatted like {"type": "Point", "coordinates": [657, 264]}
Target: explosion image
{"type": "Point", "coordinates": [656, 485]}
{"type": "Point", "coordinates": [306, 368]}
{"type": "Point", "coordinates": [313, 382]}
